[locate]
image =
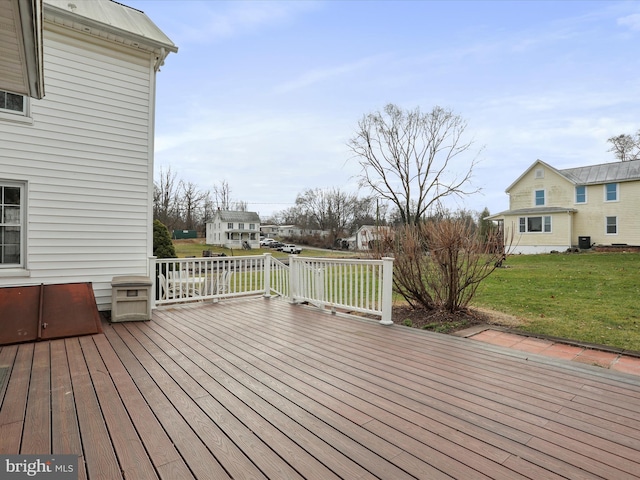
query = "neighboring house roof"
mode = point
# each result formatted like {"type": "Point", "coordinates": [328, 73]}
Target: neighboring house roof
{"type": "Point", "coordinates": [605, 173]}
{"type": "Point", "coordinates": [237, 216]}
{"type": "Point", "coordinates": [112, 20]}
{"type": "Point", "coordinates": [592, 174]}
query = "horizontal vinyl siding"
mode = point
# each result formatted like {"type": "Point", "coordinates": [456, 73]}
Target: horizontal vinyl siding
{"type": "Point", "coordinates": [86, 161]}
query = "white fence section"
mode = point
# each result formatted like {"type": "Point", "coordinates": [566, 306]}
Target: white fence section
{"type": "Point", "coordinates": [356, 285]}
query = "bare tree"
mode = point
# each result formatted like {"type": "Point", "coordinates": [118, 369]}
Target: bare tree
{"type": "Point", "coordinates": [626, 147]}
{"type": "Point", "coordinates": [165, 198]}
{"type": "Point", "coordinates": [222, 195]}
{"type": "Point", "coordinates": [407, 157]}
{"type": "Point", "coordinates": [191, 201]}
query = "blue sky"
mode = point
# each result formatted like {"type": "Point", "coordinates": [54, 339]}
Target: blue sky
{"type": "Point", "coordinates": [266, 95]}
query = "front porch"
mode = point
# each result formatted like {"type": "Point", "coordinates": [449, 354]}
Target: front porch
{"type": "Point", "coordinates": [261, 388]}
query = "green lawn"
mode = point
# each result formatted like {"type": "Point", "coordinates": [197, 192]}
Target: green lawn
{"type": "Point", "coordinates": [194, 248]}
{"type": "Point", "coordinates": [591, 297]}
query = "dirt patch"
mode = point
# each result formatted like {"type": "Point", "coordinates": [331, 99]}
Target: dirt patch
{"type": "Point", "coordinates": [445, 322]}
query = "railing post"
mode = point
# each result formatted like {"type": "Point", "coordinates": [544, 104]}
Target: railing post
{"type": "Point", "coordinates": [266, 268]}
{"type": "Point", "coordinates": [294, 278]}
{"type": "Point", "coordinates": [154, 279]}
{"type": "Point", "coordinates": [387, 290]}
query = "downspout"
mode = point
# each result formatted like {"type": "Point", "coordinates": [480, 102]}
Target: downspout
{"type": "Point", "coordinates": [570, 229]}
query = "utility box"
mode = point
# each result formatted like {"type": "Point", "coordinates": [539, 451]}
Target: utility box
{"type": "Point", "coordinates": [130, 299]}
{"type": "Point", "coordinates": [584, 243]}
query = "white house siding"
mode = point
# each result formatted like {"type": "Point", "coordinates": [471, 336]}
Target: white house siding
{"type": "Point", "coordinates": [87, 163]}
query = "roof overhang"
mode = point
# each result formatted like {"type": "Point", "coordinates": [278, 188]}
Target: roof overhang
{"type": "Point", "coordinates": [21, 62]}
{"type": "Point", "coordinates": [112, 21]}
{"type": "Point", "coordinates": [531, 211]}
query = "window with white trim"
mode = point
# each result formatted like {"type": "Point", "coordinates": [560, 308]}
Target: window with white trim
{"type": "Point", "coordinates": [230, 226]}
{"type": "Point", "coordinates": [12, 103]}
{"type": "Point", "coordinates": [581, 194]}
{"type": "Point", "coordinates": [539, 198]}
{"type": "Point", "coordinates": [611, 192]}
{"type": "Point", "coordinates": [611, 225]}
{"type": "Point", "coordinates": [241, 226]}
{"type": "Point", "coordinates": [540, 224]}
{"type": "Point", "coordinates": [11, 224]}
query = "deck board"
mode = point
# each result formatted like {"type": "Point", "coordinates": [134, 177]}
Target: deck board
{"type": "Point", "coordinates": [261, 389]}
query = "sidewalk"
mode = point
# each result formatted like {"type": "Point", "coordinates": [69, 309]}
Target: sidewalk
{"type": "Point", "coordinates": [606, 357]}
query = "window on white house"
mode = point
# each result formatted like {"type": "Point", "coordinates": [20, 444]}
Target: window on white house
{"type": "Point", "coordinates": [11, 224]}
{"type": "Point", "coordinates": [581, 194]}
{"type": "Point", "coordinates": [12, 103]}
{"type": "Point", "coordinates": [611, 192]}
{"type": "Point", "coordinates": [535, 224]}
{"type": "Point", "coordinates": [252, 226]}
{"type": "Point", "coordinates": [230, 226]}
{"type": "Point", "coordinates": [241, 226]}
{"type": "Point", "coordinates": [539, 198]}
{"type": "Point", "coordinates": [612, 225]}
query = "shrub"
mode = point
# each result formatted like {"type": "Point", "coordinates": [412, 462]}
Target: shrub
{"type": "Point", "coordinates": [162, 244]}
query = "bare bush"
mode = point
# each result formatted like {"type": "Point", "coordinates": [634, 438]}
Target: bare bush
{"type": "Point", "coordinates": [440, 264]}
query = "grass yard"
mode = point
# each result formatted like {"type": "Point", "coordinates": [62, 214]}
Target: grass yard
{"type": "Point", "coordinates": [590, 297]}
{"type": "Point", "coordinates": [194, 248]}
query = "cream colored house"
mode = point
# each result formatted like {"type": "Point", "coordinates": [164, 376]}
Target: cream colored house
{"type": "Point", "coordinates": [552, 209]}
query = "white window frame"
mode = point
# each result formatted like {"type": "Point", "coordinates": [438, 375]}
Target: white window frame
{"type": "Point", "coordinates": [544, 198]}
{"type": "Point", "coordinates": [5, 267]}
{"type": "Point", "coordinates": [22, 116]}
{"type": "Point", "coordinates": [576, 194]}
{"type": "Point", "coordinates": [617, 191]}
{"type": "Point", "coordinates": [606, 225]}
{"type": "Point", "coordinates": [545, 222]}
{"type": "Point", "coordinates": [230, 226]}
{"type": "Point", "coordinates": [241, 226]}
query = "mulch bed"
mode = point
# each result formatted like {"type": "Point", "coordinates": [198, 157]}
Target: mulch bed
{"type": "Point", "coordinates": [437, 320]}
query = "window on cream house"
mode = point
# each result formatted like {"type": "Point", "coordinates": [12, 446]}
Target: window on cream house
{"type": "Point", "coordinates": [535, 224]}
{"type": "Point", "coordinates": [539, 198]}
{"type": "Point", "coordinates": [611, 226]}
{"type": "Point", "coordinates": [581, 194]}
{"type": "Point", "coordinates": [611, 192]}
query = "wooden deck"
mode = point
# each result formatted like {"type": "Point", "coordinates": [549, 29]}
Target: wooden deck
{"type": "Point", "coordinates": [262, 389]}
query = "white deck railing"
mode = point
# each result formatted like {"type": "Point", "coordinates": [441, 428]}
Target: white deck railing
{"type": "Point", "coordinates": [363, 286]}
{"type": "Point", "coordinates": [356, 285]}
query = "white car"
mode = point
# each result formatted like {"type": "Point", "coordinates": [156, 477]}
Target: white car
{"type": "Point", "coordinates": [290, 249]}
{"type": "Point", "coordinates": [266, 241]}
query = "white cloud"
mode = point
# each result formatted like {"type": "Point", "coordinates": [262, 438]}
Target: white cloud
{"type": "Point", "coordinates": [632, 21]}
{"type": "Point", "coordinates": [230, 19]}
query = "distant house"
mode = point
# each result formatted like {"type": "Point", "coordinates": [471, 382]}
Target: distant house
{"type": "Point", "coordinates": [269, 231]}
{"type": "Point", "coordinates": [232, 229]}
{"type": "Point", "coordinates": [552, 209]}
{"type": "Point", "coordinates": [76, 164]}
{"type": "Point", "coordinates": [366, 236]}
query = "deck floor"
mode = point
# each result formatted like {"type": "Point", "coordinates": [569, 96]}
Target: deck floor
{"type": "Point", "coordinates": [257, 388]}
